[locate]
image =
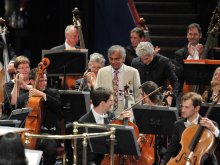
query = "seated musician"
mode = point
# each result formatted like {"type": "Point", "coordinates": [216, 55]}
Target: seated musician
{"type": "Point", "coordinates": [96, 62]}
{"type": "Point", "coordinates": [191, 103]}
{"type": "Point", "coordinates": [209, 94]}
{"type": "Point", "coordinates": [102, 100]}
{"type": "Point", "coordinates": [17, 86]}
{"type": "Point", "coordinates": [52, 114]}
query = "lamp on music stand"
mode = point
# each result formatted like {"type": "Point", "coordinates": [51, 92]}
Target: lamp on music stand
{"type": "Point", "coordinates": [155, 120]}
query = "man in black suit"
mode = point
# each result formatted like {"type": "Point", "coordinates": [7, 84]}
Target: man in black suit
{"type": "Point", "coordinates": [102, 100]}
{"type": "Point", "coordinates": [191, 103]}
{"type": "Point", "coordinates": [154, 67]}
{"type": "Point", "coordinates": [51, 114]}
{"type": "Point", "coordinates": [71, 39]}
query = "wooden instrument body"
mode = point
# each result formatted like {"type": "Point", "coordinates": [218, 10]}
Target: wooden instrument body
{"type": "Point", "coordinates": [33, 122]}
{"type": "Point", "coordinates": [205, 146]}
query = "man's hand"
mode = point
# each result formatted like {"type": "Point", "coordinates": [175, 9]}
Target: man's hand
{"type": "Point", "coordinates": [35, 92]}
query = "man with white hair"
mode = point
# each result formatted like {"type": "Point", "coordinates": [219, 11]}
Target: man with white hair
{"type": "Point", "coordinates": [71, 39]}
{"type": "Point", "coordinates": [155, 67]}
{"type": "Point", "coordinates": [96, 62]}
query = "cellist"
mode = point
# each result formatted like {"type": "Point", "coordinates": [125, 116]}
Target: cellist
{"type": "Point", "coordinates": [191, 103]}
{"type": "Point", "coordinates": [51, 114]}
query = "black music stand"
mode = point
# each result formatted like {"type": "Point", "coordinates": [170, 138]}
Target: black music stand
{"type": "Point", "coordinates": [17, 118]}
{"type": "Point", "coordinates": [75, 104]}
{"type": "Point", "coordinates": [66, 62]}
{"type": "Point", "coordinates": [198, 73]}
{"type": "Point", "coordinates": [125, 144]}
{"type": "Point", "coordinates": [157, 120]}
{"type": "Point", "coordinates": [215, 114]}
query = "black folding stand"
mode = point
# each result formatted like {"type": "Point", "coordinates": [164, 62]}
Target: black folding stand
{"type": "Point", "coordinates": [66, 62]}
{"type": "Point", "coordinates": [155, 120]}
{"type": "Point", "coordinates": [125, 144]}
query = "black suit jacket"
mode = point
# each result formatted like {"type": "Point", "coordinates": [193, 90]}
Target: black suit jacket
{"type": "Point", "coordinates": [91, 157]}
{"type": "Point", "coordinates": [60, 47]}
{"type": "Point", "coordinates": [159, 71]}
{"type": "Point", "coordinates": [175, 146]}
{"type": "Point", "coordinates": [52, 111]}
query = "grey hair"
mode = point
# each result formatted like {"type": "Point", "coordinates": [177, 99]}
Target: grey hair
{"type": "Point", "coordinates": [69, 28]}
{"type": "Point", "coordinates": [97, 57]}
{"type": "Point", "coordinates": [115, 48]}
{"type": "Point", "coordinates": [145, 48]}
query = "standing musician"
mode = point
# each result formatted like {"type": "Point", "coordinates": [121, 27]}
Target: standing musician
{"type": "Point", "coordinates": [191, 103]}
{"type": "Point", "coordinates": [96, 62]}
{"type": "Point", "coordinates": [17, 86]}
{"type": "Point", "coordinates": [71, 39]}
{"type": "Point", "coordinates": [155, 67]}
{"type": "Point", "coordinates": [51, 114]}
{"type": "Point", "coordinates": [118, 75]}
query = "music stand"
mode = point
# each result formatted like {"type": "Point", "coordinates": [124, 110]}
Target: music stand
{"type": "Point", "coordinates": [215, 114]}
{"type": "Point", "coordinates": [75, 104]}
{"type": "Point", "coordinates": [157, 120]}
{"type": "Point", "coordinates": [17, 118]}
{"type": "Point", "coordinates": [66, 62]}
{"type": "Point", "coordinates": [199, 72]}
{"type": "Point", "coordinates": [124, 135]}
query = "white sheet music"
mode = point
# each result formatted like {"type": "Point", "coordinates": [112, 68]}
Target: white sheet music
{"type": "Point", "coordinates": [33, 156]}
{"type": "Point", "coordinates": [5, 130]}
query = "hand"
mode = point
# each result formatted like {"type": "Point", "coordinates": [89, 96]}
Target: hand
{"type": "Point", "coordinates": [199, 48]}
{"type": "Point", "coordinates": [169, 100]}
{"type": "Point", "coordinates": [11, 69]}
{"type": "Point", "coordinates": [125, 114]}
{"type": "Point", "coordinates": [91, 78]}
{"type": "Point", "coordinates": [35, 92]}
{"type": "Point", "coordinates": [208, 124]}
{"type": "Point", "coordinates": [191, 50]}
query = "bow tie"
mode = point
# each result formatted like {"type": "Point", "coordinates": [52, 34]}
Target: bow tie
{"type": "Point", "coordinates": [187, 124]}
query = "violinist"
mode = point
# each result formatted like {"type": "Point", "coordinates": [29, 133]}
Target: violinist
{"type": "Point", "coordinates": [191, 103]}
{"type": "Point", "coordinates": [51, 114]}
{"type": "Point", "coordinates": [18, 85]}
{"type": "Point", "coordinates": [96, 62]}
{"type": "Point", "coordinates": [102, 100]}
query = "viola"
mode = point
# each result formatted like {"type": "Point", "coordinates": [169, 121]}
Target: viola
{"type": "Point", "coordinates": [35, 117]}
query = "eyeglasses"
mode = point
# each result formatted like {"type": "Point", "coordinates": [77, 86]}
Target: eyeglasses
{"type": "Point", "coordinates": [24, 68]}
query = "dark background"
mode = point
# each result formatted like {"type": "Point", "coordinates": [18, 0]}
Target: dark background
{"type": "Point", "coordinates": [104, 23]}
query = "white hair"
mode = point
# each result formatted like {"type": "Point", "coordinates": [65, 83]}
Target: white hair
{"type": "Point", "coordinates": [145, 48]}
{"type": "Point", "coordinates": [97, 57]}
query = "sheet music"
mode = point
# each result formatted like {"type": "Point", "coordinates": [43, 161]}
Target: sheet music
{"type": "Point", "coordinates": [33, 156]}
{"type": "Point", "coordinates": [5, 130]}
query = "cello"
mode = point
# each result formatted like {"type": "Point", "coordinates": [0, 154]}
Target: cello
{"type": "Point", "coordinates": [197, 143]}
{"type": "Point", "coordinates": [35, 117]}
{"type": "Point", "coordinates": [146, 143]}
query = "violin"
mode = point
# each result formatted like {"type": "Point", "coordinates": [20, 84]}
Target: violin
{"type": "Point", "coordinates": [35, 117]}
{"type": "Point", "coordinates": [197, 143]}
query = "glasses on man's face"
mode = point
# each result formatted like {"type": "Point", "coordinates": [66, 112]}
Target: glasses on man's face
{"type": "Point", "coordinates": [24, 68]}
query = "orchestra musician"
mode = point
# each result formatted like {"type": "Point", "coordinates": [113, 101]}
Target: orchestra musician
{"type": "Point", "coordinates": [51, 114]}
{"type": "Point", "coordinates": [116, 76]}
{"type": "Point", "coordinates": [102, 100]}
{"type": "Point", "coordinates": [191, 103]}
{"type": "Point", "coordinates": [71, 39]}
{"type": "Point", "coordinates": [155, 67]}
{"type": "Point", "coordinates": [17, 86]}
{"type": "Point", "coordinates": [209, 94]}
{"type": "Point", "coordinates": [96, 62]}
